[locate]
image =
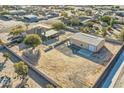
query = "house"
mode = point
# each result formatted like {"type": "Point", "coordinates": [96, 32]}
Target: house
{"type": "Point", "coordinates": [31, 18]}
{"type": "Point", "coordinates": [50, 34]}
{"type": "Point", "coordinates": [17, 12]}
{"type": "Point", "coordinates": [120, 13]}
{"type": "Point", "coordinates": [85, 41]}
{"type": "Point", "coordinates": [39, 29]}
{"type": "Point", "coordinates": [6, 17]}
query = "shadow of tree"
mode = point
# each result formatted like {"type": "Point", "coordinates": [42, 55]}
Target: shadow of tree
{"type": "Point", "coordinates": [2, 66]}
{"type": "Point", "coordinates": [32, 56]}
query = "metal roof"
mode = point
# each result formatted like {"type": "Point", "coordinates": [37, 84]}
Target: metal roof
{"type": "Point", "coordinates": [50, 32]}
{"type": "Point", "coordinates": [46, 26]}
{"type": "Point", "coordinates": [89, 39]}
{"type": "Point", "coordinates": [30, 16]}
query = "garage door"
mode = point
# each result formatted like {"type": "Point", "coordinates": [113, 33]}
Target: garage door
{"type": "Point", "coordinates": [91, 48]}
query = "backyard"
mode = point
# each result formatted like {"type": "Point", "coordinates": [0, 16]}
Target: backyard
{"type": "Point", "coordinates": [69, 69]}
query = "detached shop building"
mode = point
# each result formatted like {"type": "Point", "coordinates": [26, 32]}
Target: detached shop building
{"type": "Point", "coordinates": [86, 41]}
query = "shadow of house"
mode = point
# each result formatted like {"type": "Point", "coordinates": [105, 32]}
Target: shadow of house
{"type": "Point", "coordinates": [102, 57]}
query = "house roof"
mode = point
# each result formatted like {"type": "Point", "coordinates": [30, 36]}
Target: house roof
{"type": "Point", "coordinates": [46, 26]}
{"type": "Point", "coordinates": [50, 32]}
{"type": "Point", "coordinates": [30, 16]}
{"type": "Point", "coordinates": [89, 39]}
{"type": "Point", "coordinates": [17, 11]}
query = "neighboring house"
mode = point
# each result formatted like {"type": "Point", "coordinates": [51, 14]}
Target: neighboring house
{"type": "Point", "coordinates": [17, 12]}
{"type": "Point", "coordinates": [89, 42]}
{"type": "Point", "coordinates": [6, 17]}
{"type": "Point", "coordinates": [120, 13]}
{"type": "Point", "coordinates": [85, 21]}
{"type": "Point", "coordinates": [50, 34]}
{"type": "Point", "coordinates": [39, 29]}
{"type": "Point", "coordinates": [31, 18]}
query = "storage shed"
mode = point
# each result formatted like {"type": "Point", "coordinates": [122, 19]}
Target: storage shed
{"type": "Point", "coordinates": [86, 41]}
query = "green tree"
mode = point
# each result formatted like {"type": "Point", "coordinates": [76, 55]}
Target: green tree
{"type": "Point", "coordinates": [117, 7]}
{"type": "Point", "coordinates": [88, 12]}
{"type": "Point", "coordinates": [32, 40]}
{"type": "Point", "coordinates": [58, 25]}
{"type": "Point", "coordinates": [85, 29]}
{"type": "Point", "coordinates": [17, 31]}
{"type": "Point", "coordinates": [64, 14]}
{"type": "Point", "coordinates": [74, 21]}
{"type": "Point", "coordinates": [106, 19]}
{"type": "Point", "coordinates": [121, 36]}
{"type": "Point", "coordinates": [104, 32]}
{"type": "Point", "coordinates": [89, 24]}
{"type": "Point", "coordinates": [21, 68]}
{"type": "Point", "coordinates": [49, 86]}
{"type": "Point", "coordinates": [4, 13]}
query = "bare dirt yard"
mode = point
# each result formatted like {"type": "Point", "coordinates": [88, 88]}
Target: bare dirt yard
{"type": "Point", "coordinates": [73, 71]}
{"type": "Point", "coordinates": [70, 71]}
